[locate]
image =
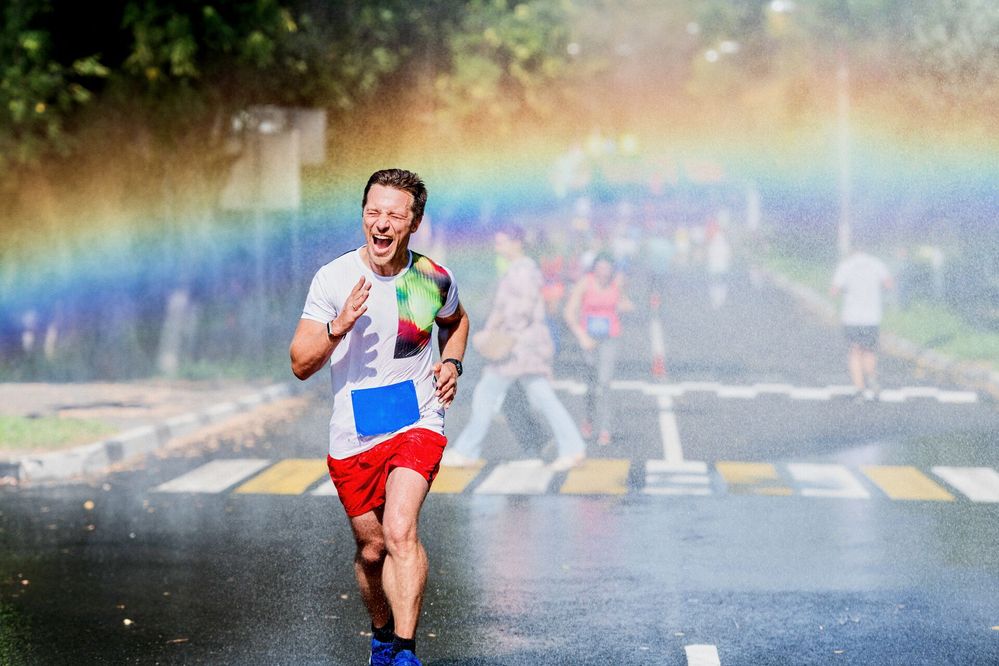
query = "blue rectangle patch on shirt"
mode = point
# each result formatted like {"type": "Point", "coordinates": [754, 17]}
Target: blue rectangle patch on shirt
{"type": "Point", "coordinates": [385, 409]}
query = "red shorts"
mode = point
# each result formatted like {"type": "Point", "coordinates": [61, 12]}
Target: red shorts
{"type": "Point", "coordinates": [360, 480]}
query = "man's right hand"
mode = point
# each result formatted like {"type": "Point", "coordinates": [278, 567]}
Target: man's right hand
{"type": "Point", "coordinates": [353, 308]}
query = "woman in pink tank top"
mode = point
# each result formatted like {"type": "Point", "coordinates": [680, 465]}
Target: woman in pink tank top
{"type": "Point", "coordinates": [592, 313]}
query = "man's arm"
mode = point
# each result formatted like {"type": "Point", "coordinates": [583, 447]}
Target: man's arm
{"type": "Point", "coordinates": [452, 337]}
{"type": "Point", "coordinates": [312, 346]}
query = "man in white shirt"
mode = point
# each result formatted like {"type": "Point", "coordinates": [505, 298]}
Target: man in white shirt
{"type": "Point", "coordinates": [370, 315]}
{"type": "Point", "coordinates": [860, 279]}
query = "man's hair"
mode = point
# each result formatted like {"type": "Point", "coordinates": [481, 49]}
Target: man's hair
{"type": "Point", "coordinates": [400, 179]}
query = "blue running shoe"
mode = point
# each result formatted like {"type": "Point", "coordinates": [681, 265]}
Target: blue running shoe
{"type": "Point", "coordinates": [381, 653]}
{"type": "Point", "coordinates": [406, 658]}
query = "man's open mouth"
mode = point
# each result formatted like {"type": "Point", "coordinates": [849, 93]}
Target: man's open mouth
{"type": "Point", "coordinates": [381, 242]}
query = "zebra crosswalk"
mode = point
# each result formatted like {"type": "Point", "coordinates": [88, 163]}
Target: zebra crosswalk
{"type": "Point", "coordinates": [617, 477]}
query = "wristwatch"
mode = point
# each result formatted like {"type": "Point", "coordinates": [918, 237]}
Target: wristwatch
{"type": "Point", "coordinates": [456, 362]}
{"type": "Point", "coordinates": [329, 331]}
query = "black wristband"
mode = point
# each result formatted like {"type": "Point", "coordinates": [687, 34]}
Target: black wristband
{"type": "Point", "coordinates": [456, 363]}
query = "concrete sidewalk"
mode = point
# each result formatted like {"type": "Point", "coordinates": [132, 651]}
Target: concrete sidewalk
{"type": "Point", "coordinates": [144, 414]}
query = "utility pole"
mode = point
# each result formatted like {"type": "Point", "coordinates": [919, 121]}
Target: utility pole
{"type": "Point", "coordinates": [843, 151]}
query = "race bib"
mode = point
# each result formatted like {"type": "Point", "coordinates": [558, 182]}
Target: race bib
{"type": "Point", "coordinates": [598, 327]}
{"type": "Point", "coordinates": [385, 409]}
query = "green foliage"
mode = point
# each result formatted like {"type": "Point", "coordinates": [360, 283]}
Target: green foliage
{"type": "Point", "coordinates": [37, 91]}
{"type": "Point", "coordinates": [954, 46]}
{"type": "Point", "coordinates": [507, 59]}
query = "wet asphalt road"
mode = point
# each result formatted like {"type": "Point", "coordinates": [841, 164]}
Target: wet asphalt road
{"type": "Point", "coordinates": [755, 567]}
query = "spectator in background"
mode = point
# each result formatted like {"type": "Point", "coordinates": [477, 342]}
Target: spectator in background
{"type": "Point", "coordinates": [517, 344]}
{"type": "Point", "coordinates": [592, 314]}
{"type": "Point", "coordinates": [860, 279]}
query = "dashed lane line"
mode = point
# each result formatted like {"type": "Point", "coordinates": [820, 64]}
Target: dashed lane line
{"type": "Point", "coordinates": [454, 480]}
{"type": "Point", "coordinates": [752, 477]}
{"type": "Point", "coordinates": [827, 480]}
{"type": "Point", "coordinates": [980, 484]}
{"type": "Point", "coordinates": [689, 477]}
{"type": "Point", "coordinates": [610, 476]}
{"type": "Point", "coordinates": [598, 476]}
{"type": "Point", "coordinates": [753, 391]}
{"type": "Point", "coordinates": [215, 476]}
{"type": "Point", "coordinates": [905, 483]}
{"type": "Point", "coordinates": [518, 477]}
{"type": "Point", "coordinates": [291, 476]}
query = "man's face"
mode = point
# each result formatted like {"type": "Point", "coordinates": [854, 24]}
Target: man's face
{"type": "Point", "coordinates": [388, 221]}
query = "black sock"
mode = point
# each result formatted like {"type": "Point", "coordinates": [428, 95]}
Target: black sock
{"type": "Point", "coordinates": [384, 634]}
{"type": "Point", "coordinates": [400, 644]}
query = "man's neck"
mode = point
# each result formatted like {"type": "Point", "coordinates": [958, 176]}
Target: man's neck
{"type": "Point", "coordinates": [396, 266]}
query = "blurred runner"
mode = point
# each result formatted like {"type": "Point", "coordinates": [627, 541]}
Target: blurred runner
{"type": "Point", "coordinates": [860, 279]}
{"type": "Point", "coordinates": [592, 314]}
{"type": "Point", "coordinates": [370, 314]}
{"type": "Point", "coordinates": [516, 341]}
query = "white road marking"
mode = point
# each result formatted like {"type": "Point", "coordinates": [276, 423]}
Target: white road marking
{"type": "Point", "coordinates": [689, 477]}
{"type": "Point", "coordinates": [958, 397]}
{"type": "Point", "coordinates": [980, 484]}
{"type": "Point", "coordinates": [672, 451]}
{"type": "Point", "coordinates": [570, 386]}
{"type": "Point", "coordinates": [744, 392]}
{"type": "Point", "coordinates": [656, 338]}
{"type": "Point", "coordinates": [804, 393]}
{"type": "Point", "coordinates": [518, 477]}
{"type": "Point", "coordinates": [702, 655]}
{"type": "Point", "coordinates": [214, 477]}
{"type": "Point", "coordinates": [773, 388]}
{"type": "Point", "coordinates": [750, 391]}
{"type": "Point", "coordinates": [827, 481]}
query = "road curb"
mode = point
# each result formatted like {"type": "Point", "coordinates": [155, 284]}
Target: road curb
{"type": "Point", "coordinates": [95, 458]}
{"type": "Point", "coordinates": [964, 373]}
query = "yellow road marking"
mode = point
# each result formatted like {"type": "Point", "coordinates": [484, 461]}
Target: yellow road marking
{"type": "Point", "coordinates": [453, 480]}
{"type": "Point", "coordinates": [598, 476]}
{"type": "Point", "coordinates": [905, 483]}
{"type": "Point", "coordinates": [747, 477]}
{"type": "Point", "coordinates": [291, 476]}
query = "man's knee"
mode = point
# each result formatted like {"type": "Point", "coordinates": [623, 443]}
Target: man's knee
{"type": "Point", "coordinates": [371, 553]}
{"type": "Point", "coordinates": [400, 536]}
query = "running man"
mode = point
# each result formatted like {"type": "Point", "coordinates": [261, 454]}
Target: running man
{"type": "Point", "coordinates": [860, 279]}
{"type": "Point", "coordinates": [370, 314]}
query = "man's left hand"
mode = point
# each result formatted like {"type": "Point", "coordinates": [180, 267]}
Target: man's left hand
{"type": "Point", "coordinates": [447, 382]}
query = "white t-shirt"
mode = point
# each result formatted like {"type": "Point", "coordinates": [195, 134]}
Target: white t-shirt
{"type": "Point", "coordinates": [861, 277]}
{"type": "Point", "coordinates": [390, 343]}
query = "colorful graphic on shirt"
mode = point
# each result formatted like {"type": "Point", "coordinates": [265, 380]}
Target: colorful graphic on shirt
{"type": "Point", "coordinates": [421, 293]}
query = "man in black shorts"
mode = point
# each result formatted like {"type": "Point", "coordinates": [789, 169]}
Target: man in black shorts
{"type": "Point", "coordinates": [860, 279]}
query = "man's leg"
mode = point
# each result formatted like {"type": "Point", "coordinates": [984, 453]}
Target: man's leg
{"type": "Point", "coordinates": [870, 365]}
{"type": "Point", "coordinates": [404, 574]}
{"type": "Point", "coordinates": [856, 363]}
{"type": "Point", "coordinates": [542, 396]}
{"type": "Point", "coordinates": [368, 565]}
{"type": "Point", "coordinates": [487, 399]}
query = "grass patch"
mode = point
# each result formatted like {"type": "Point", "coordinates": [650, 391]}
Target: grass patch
{"type": "Point", "coordinates": [938, 328]}
{"type": "Point", "coordinates": [20, 433]}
